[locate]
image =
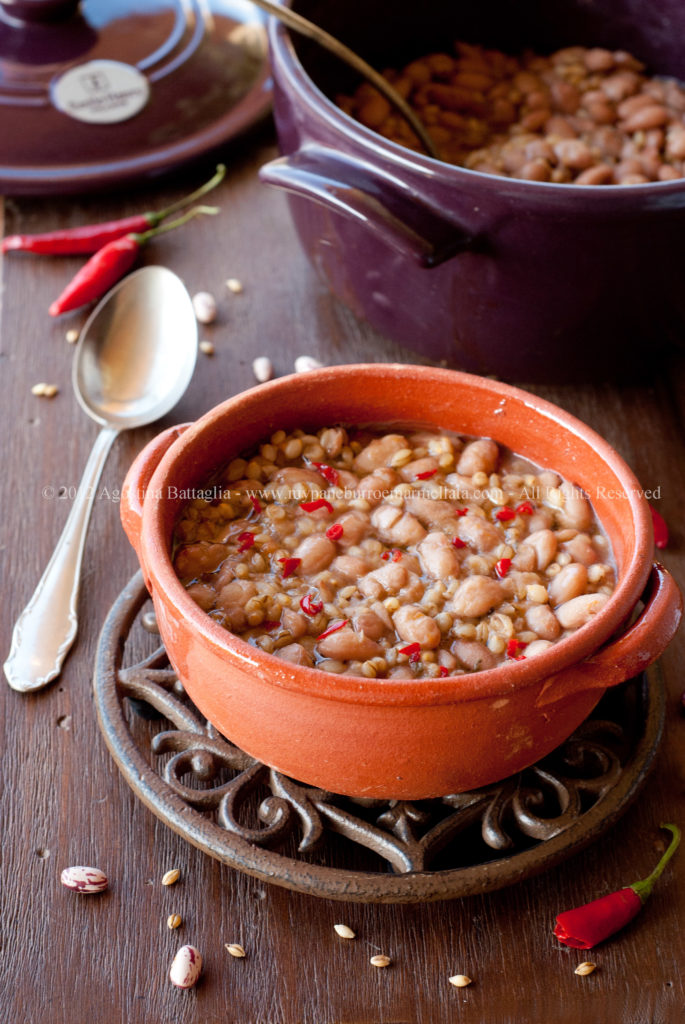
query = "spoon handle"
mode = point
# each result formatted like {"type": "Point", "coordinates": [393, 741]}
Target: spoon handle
{"type": "Point", "coordinates": [46, 628]}
{"type": "Point", "coordinates": [308, 28]}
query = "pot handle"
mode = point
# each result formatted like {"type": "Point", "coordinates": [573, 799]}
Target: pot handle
{"type": "Point", "coordinates": [640, 645]}
{"type": "Point", "coordinates": [137, 480]}
{"type": "Point", "coordinates": [379, 200]}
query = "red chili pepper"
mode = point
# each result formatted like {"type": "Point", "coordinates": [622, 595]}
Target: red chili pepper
{"type": "Point", "coordinates": [413, 651]}
{"type": "Point", "coordinates": [328, 472]}
{"type": "Point", "coordinates": [313, 506]}
{"type": "Point", "coordinates": [332, 629]}
{"type": "Point", "coordinates": [460, 511]}
{"type": "Point", "coordinates": [385, 556]}
{"type": "Point", "coordinates": [584, 927]}
{"type": "Point", "coordinates": [98, 275]}
{"type": "Point", "coordinates": [289, 566]}
{"type": "Point", "coordinates": [309, 606]}
{"type": "Point", "coordinates": [246, 541]}
{"type": "Point", "coordinates": [270, 624]}
{"type": "Point", "coordinates": [525, 509]}
{"type": "Point", "coordinates": [504, 514]}
{"type": "Point", "coordinates": [426, 475]}
{"type": "Point", "coordinates": [459, 543]}
{"type": "Point", "coordinates": [442, 671]}
{"type": "Point", "coordinates": [660, 528]}
{"type": "Point", "coordinates": [110, 263]}
{"type": "Point", "coordinates": [396, 554]}
{"type": "Point", "coordinates": [334, 532]}
{"type": "Point", "coordinates": [514, 648]}
{"type": "Point", "coordinates": [78, 241]}
{"type": "Point", "coordinates": [90, 237]}
{"type": "Point", "coordinates": [256, 505]}
{"type": "Point", "coordinates": [502, 567]}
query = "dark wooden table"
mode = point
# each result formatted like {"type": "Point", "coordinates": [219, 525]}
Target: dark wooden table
{"type": "Point", "coordinates": [104, 960]}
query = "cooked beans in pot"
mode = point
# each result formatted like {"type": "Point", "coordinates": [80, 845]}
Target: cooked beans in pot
{"type": "Point", "coordinates": [399, 555]}
{"type": "Point", "coordinates": [584, 116]}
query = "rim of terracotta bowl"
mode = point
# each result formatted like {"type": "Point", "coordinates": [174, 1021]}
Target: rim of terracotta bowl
{"type": "Point", "coordinates": [307, 91]}
{"type": "Point", "coordinates": [499, 681]}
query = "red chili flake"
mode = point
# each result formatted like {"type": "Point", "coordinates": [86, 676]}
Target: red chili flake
{"type": "Point", "coordinates": [270, 624]}
{"type": "Point", "coordinates": [327, 472]}
{"type": "Point", "coordinates": [442, 671]}
{"type": "Point", "coordinates": [426, 475]}
{"type": "Point", "coordinates": [514, 648]}
{"type": "Point", "coordinates": [504, 514]}
{"type": "Point", "coordinates": [584, 927]}
{"type": "Point", "coordinates": [459, 543]}
{"type": "Point", "coordinates": [525, 509]}
{"type": "Point", "coordinates": [413, 651]}
{"type": "Point", "coordinates": [385, 556]}
{"type": "Point", "coordinates": [256, 505]}
{"type": "Point", "coordinates": [460, 511]}
{"type": "Point", "coordinates": [502, 567]}
{"type": "Point", "coordinates": [334, 532]}
{"type": "Point", "coordinates": [246, 541]}
{"type": "Point", "coordinates": [396, 554]}
{"type": "Point", "coordinates": [289, 566]}
{"type": "Point", "coordinates": [332, 629]}
{"type": "Point", "coordinates": [313, 506]}
{"type": "Point", "coordinates": [309, 606]}
{"type": "Point", "coordinates": [660, 528]}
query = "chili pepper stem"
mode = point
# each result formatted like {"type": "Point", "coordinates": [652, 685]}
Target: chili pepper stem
{"type": "Point", "coordinates": [145, 236]}
{"type": "Point", "coordinates": [644, 887]}
{"type": "Point", "coordinates": [158, 216]}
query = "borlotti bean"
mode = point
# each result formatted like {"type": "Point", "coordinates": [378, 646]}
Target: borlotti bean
{"type": "Point", "coordinates": [262, 367]}
{"type": "Point", "coordinates": [584, 116]}
{"type": "Point", "coordinates": [186, 967]}
{"type": "Point", "coordinates": [83, 879]}
{"type": "Point", "coordinates": [393, 555]}
{"type": "Point", "coordinates": [305, 363]}
{"type": "Point", "coordinates": [204, 305]}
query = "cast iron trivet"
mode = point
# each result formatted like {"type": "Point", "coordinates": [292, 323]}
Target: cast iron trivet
{"type": "Point", "coordinates": [238, 810]}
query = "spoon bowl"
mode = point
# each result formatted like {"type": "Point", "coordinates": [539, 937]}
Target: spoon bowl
{"type": "Point", "coordinates": [133, 362]}
{"type": "Point", "coordinates": [137, 351]}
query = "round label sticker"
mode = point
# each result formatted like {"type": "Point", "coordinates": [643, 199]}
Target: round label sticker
{"type": "Point", "coordinates": [101, 92]}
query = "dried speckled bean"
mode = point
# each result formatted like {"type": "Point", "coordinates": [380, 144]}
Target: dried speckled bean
{"type": "Point", "coordinates": [84, 879]}
{"type": "Point", "coordinates": [186, 967]}
{"type": "Point", "coordinates": [204, 305]}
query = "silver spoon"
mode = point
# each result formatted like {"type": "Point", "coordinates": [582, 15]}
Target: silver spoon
{"type": "Point", "coordinates": [134, 360]}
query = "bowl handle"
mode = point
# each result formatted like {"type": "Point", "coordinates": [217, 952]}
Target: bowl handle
{"type": "Point", "coordinates": [136, 483]}
{"type": "Point", "coordinates": [384, 203]}
{"type": "Point", "coordinates": [640, 645]}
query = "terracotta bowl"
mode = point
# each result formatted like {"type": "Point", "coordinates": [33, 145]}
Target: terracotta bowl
{"type": "Point", "coordinates": [404, 739]}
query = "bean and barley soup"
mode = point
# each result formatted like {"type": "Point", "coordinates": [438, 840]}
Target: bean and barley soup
{"type": "Point", "coordinates": [393, 555]}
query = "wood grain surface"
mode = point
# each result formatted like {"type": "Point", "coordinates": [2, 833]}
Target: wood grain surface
{"type": "Point", "coordinates": [69, 959]}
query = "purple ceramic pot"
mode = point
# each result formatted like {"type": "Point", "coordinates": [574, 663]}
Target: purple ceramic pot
{"type": "Point", "coordinates": [529, 281]}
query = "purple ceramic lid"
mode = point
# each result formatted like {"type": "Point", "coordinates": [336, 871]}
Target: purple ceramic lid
{"type": "Point", "coordinates": [97, 94]}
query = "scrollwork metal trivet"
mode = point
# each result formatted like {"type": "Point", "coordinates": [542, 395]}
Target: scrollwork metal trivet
{"type": "Point", "coordinates": [277, 829]}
